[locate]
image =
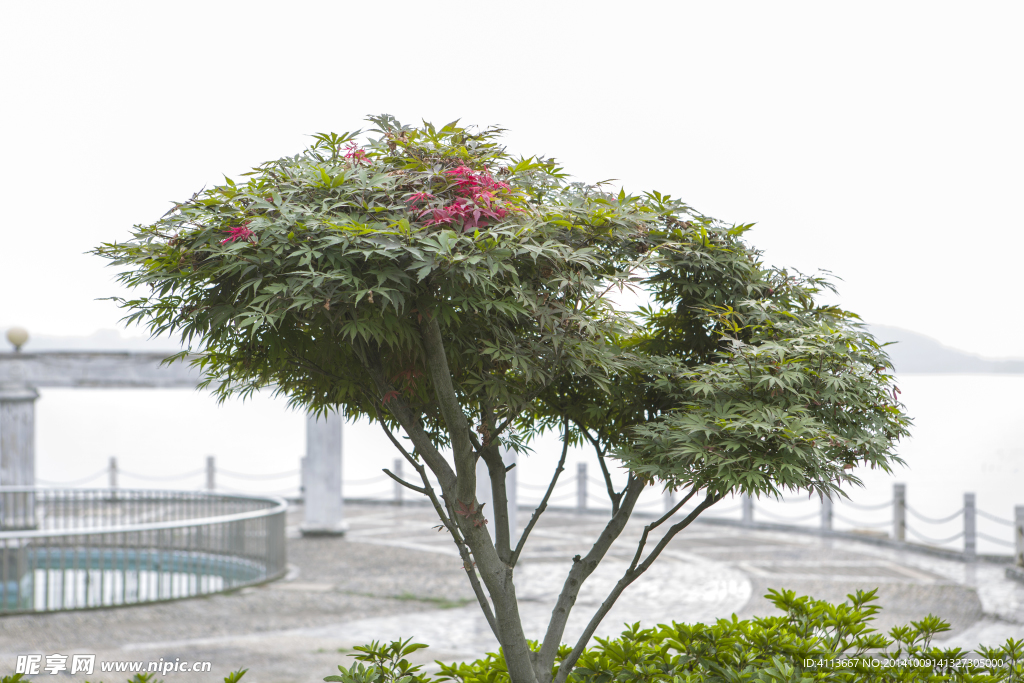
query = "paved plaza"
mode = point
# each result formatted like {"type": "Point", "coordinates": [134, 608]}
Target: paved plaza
{"type": "Point", "coordinates": [394, 576]}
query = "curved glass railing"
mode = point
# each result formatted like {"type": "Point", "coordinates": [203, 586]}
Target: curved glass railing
{"type": "Point", "coordinates": [67, 549]}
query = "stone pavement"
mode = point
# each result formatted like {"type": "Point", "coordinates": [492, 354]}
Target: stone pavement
{"type": "Point", "coordinates": [394, 576]}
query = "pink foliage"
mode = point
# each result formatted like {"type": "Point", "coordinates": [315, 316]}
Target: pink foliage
{"type": "Point", "coordinates": [477, 202]}
{"type": "Point", "coordinates": [418, 197]}
{"type": "Point", "coordinates": [357, 155]}
{"type": "Point", "coordinates": [239, 232]}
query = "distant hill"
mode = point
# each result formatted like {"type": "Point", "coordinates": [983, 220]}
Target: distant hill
{"type": "Point", "coordinates": [913, 352]}
{"type": "Point", "coordinates": [916, 353]}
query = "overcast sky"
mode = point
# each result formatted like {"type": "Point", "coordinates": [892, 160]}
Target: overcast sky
{"type": "Point", "coordinates": [880, 141]}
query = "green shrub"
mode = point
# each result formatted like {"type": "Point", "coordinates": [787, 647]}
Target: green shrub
{"type": "Point", "coordinates": [813, 641]}
{"type": "Point", "coordinates": [388, 664]}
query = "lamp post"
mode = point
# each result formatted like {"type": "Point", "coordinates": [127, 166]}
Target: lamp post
{"type": "Point", "coordinates": [17, 336]}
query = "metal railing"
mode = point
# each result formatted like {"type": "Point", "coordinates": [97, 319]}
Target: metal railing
{"type": "Point", "coordinates": [67, 549]}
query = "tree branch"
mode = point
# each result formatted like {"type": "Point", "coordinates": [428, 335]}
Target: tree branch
{"type": "Point", "coordinates": [395, 442]}
{"type": "Point", "coordinates": [310, 365]}
{"type": "Point", "coordinates": [629, 577]}
{"type": "Point", "coordinates": [655, 524]}
{"type": "Point", "coordinates": [499, 493]}
{"type": "Point", "coordinates": [544, 501]}
{"type": "Point", "coordinates": [451, 409]}
{"type": "Point", "coordinates": [612, 495]}
{"type": "Point", "coordinates": [467, 563]}
{"type": "Point", "coordinates": [476, 442]}
{"type": "Point", "coordinates": [453, 529]}
{"type": "Point", "coordinates": [581, 569]}
{"type": "Point", "coordinates": [398, 407]}
{"type": "Point", "coordinates": [404, 483]}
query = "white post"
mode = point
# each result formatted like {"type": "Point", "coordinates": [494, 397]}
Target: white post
{"type": "Point", "coordinates": [826, 513]}
{"type": "Point", "coordinates": [112, 473]}
{"type": "Point", "coordinates": [670, 500]}
{"type": "Point", "coordinates": [17, 436]}
{"type": "Point", "coordinates": [581, 487]}
{"type": "Point", "coordinates": [324, 511]}
{"type": "Point", "coordinates": [899, 512]}
{"type": "Point", "coordinates": [748, 510]}
{"type": "Point", "coordinates": [1018, 534]}
{"type": "Point", "coordinates": [485, 496]}
{"type": "Point", "coordinates": [396, 469]}
{"type": "Point", "coordinates": [211, 474]}
{"type": "Point", "coordinates": [970, 527]}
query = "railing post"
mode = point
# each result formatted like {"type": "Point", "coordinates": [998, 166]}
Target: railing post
{"type": "Point", "coordinates": [581, 487]}
{"type": "Point", "coordinates": [397, 470]}
{"type": "Point", "coordinates": [112, 473]}
{"type": "Point", "coordinates": [1018, 534]}
{"type": "Point", "coordinates": [899, 512]}
{"type": "Point", "coordinates": [826, 513]}
{"type": "Point", "coordinates": [211, 474]}
{"type": "Point", "coordinates": [970, 527]}
{"type": "Point", "coordinates": [748, 509]}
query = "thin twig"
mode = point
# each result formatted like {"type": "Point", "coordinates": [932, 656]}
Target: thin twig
{"type": "Point", "coordinates": [476, 441]}
{"type": "Point", "coordinates": [615, 498]}
{"type": "Point", "coordinates": [310, 365]}
{"type": "Point", "coordinates": [404, 483]}
{"type": "Point", "coordinates": [544, 501]}
{"type": "Point", "coordinates": [394, 441]}
{"type": "Point", "coordinates": [654, 525]}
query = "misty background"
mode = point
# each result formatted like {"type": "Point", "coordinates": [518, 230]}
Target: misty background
{"type": "Point", "coordinates": [879, 141]}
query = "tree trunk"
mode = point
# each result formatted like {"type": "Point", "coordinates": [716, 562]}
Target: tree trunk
{"type": "Point", "coordinates": [496, 573]}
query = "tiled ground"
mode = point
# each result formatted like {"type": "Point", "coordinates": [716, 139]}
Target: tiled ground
{"type": "Point", "coordinates": [394, 576]}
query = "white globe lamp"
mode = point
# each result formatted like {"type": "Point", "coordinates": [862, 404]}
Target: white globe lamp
{"type": "Point", "coordinates": [17, 336]}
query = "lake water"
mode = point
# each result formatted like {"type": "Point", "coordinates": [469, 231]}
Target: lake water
{"type": "Point", "coordinates": [968, 436]}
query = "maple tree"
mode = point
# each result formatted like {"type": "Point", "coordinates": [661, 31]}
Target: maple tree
{"type": "Point", "coordinates": [461, 298]}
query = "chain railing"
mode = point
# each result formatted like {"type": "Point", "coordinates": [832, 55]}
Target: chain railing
{"type": "Point", "coordinates": [576, 493]}
{"type": "Point", "coordinates": [67, 549]}
{"type": "Point", "coordinates": [898, 529]}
